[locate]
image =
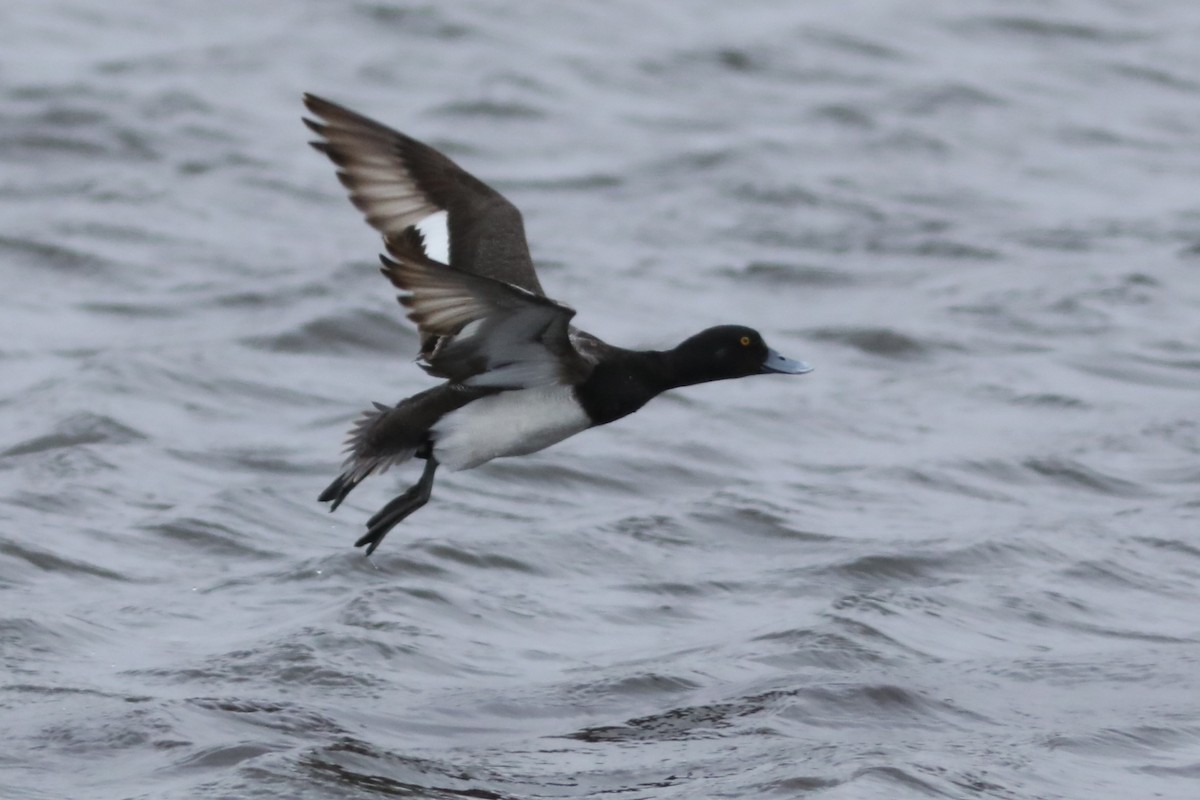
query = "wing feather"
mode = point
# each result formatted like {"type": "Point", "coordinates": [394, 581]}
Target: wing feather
{"type": "Point", "coordinates": [486, 333]}
{"type": "Point", "coordinates": [397, 182]}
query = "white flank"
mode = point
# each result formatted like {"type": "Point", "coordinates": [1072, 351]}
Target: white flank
{"type": "Point", "coordinates": [507, 424]}
{"type": "Point", "coordinates": [436, 232]}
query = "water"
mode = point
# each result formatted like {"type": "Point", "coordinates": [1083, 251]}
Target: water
{"type": "Point", "coordinates": [959, 560]}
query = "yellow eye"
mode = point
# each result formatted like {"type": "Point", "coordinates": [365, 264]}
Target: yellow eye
{"type": "Point", "coordinates": [745, 341]}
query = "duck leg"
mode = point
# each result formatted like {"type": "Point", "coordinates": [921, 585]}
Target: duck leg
{"type": "Point", "coordinates": [400, 507]}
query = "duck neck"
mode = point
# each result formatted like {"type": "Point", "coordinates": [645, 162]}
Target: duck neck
{"type": "Point", "coordinates": [620, 385]}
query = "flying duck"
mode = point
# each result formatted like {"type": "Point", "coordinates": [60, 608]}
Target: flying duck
{"type": "Point", "coordinates": [517, 376]}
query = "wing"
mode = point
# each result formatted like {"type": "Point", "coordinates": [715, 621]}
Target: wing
{"type": "Point", "coordinates": [487, 333]}
{"type": "Point", "coordinates": [400, 183]}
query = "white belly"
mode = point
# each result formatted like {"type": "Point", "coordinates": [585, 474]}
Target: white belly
{"type": "Point", "coordinates": [507, 424]}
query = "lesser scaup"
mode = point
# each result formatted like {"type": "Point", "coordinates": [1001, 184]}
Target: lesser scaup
{"type": "Point", "coordinates": [518, 377]}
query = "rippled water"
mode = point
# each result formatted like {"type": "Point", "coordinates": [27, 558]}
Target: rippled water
{"type": "Point", "coordinates": [961, 559]}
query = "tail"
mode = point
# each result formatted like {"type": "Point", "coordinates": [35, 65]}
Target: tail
{"type": "Point", "coordinates": [341, 486]}
{"type": "Point", "coordinates": [378, 440]}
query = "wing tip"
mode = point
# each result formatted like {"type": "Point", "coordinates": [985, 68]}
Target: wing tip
{"type": "Point", "coordinates": [316, 126]}
{"type": "Point", "coordinates": [319, 105]}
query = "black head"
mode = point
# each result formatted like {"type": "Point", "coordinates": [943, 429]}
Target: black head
{"type": "Point", "coordinates": [729, 351]}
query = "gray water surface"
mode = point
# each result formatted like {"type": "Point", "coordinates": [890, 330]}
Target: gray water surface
{"type": "Point", "coordinates": [960, 559]}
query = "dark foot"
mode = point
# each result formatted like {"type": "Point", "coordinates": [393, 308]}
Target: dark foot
{"type": "Point", "coordinates": [398, 509]}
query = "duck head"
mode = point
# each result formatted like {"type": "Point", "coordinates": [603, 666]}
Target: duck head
{"type": "Point", "coordinates": [730, 351]}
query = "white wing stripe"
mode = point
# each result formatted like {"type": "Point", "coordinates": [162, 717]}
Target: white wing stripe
{"type": "Point", "coordinates": [435, 230]}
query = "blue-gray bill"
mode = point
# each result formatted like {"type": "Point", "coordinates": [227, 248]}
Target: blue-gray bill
{"type": "Point", "coordinates": [775, 362]}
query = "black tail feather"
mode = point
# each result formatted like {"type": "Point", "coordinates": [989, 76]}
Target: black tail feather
{"type": "Point", "coordinates": [342, 485]}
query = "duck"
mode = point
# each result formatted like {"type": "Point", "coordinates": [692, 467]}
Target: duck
{"type": "Point", "coordinates": [516, 375]}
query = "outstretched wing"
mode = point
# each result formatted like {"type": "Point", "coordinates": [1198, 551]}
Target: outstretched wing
{"type": "Point", "coordinates": [400, 183]}
{"type": "Point", "coordinates": [488, 333]}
